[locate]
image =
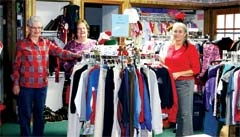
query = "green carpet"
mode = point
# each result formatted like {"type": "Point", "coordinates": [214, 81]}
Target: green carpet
{"type": "Point", "coordinates": [56, 129]}
{"type": "Point", "coordinates": [59, 129]}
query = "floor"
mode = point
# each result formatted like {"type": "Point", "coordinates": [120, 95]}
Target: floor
{"type": "Point", "coordinates": [59, 129]}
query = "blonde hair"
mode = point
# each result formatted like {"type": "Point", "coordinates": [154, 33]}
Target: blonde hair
{"type": "Point", "coordinates": [82, 21]}
{"type": "Point", "coordinates": [181, 25]}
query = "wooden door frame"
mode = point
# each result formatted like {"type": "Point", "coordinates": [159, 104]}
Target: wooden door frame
{"type": "Point", "coordinates": [118, 3]}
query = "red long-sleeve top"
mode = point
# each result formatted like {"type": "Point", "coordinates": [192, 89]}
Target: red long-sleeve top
{"type": "Point", "coordinates": [182, 59]}
{"type": "Point", "coordinates": [30, 68]}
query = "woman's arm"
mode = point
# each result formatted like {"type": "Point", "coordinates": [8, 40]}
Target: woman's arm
{"type": "Point", "coordinates": [183, 73]}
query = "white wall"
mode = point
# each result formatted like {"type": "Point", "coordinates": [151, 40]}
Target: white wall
{"type": "Point", "coordinates": [107, 12]}
{"type": "Point", "coordinates": [199, 19]}
{"type": "Point", "coordinates": [49, 10]}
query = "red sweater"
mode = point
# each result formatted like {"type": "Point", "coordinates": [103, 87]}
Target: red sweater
{"type": "Point", "coordinates": [183, 59]}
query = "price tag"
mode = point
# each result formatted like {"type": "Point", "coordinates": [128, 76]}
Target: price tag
{"type": "Point", "coordinates": [110, 50]}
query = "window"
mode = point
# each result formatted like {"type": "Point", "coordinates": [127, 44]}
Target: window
{"type": "Point", "coordinates": [228, 25]}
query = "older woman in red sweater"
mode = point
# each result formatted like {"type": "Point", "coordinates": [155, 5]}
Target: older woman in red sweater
{"type": "Point", "coordinates": [182, 59]}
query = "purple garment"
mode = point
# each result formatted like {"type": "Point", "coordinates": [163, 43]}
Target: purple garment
{"type": "Point", "coordinates": [76, 47]}
{"type": "Point", "coordinates": [210, 53]}
{"type": "Point", "coordinates": [210, 86]}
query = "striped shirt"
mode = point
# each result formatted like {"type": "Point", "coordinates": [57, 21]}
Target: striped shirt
{"type": "Point", "coordinates": [30, 68]}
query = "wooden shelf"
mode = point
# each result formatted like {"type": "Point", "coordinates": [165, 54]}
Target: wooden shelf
{"type": "Point", "coordinates": [183, 5]}
{"type": "Point", "coordinates": [168, 4]}
{"type": "Point", "coordinates": [222, 5]}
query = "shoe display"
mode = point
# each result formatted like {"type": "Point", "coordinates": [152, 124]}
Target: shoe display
{"type": "Point", "coordinates": [52, 116]}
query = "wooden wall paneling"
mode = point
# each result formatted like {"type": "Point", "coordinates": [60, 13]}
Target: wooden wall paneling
{"type": "Point", "coordinates": [168, 4]}
{"type": "Point", "coordinates": [30, 8]}
{"type": "Point", "coordinates": [120, 3]}
{"type": "Point", "coordinates": [113, 0]}
{"type": "Point", "coordinates": [208, 22]}
{"type": "Point", "coordinates": [11, 29]}
{"type": "Point", "coordinates": [221, 5]}
{"type": "Point", "coordinates": [76, 2]}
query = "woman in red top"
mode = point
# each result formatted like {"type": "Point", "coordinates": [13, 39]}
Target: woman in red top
{"type": "Point", "coordinates": [182, 60]}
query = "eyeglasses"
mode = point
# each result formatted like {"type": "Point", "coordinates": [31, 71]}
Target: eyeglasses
{"type": "Point", "coordinates": [35, 28]}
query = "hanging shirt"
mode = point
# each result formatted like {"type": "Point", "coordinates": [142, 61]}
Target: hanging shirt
{"type": "Point", "coordinates": [147, 109]}
{"type": "Point", "coordinates": [183, 59]}
{"type": "Point", "coordinates": [71, 14]}
{"type": "Point", "coordinates": [80, 99]}
{"type": "Point", "coordinates": [116, 131]}
{"type": "Point", "coordinates": [210, 53]}
{"type": "Point", "coordinates": [237, 104]}
{"type": "Point", "coordinates": [75, 82]}
{"type": "Point", "coordinates": [155, 101]}
{"type": "Point", "coordinates": [108, 104]}
{"type": "Point", "coordinates": [100, 104]}
{"type": "Point", "coordinates": [210, 86]}
{"type": "Point", "coordinates": [30, 66]}
{"type": "Point", "coordinates": [164, 87]}
{"type": "Point", "coordinates": [234, 94]}
{"type": "Point", "coordinates": [91, 90]}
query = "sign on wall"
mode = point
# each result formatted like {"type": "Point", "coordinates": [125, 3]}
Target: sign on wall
{"type": "Point", "coordinates": [120, 25]}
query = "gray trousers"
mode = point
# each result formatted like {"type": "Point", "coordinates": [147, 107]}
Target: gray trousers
{"type": "Point", "coordinates": [185, 107]}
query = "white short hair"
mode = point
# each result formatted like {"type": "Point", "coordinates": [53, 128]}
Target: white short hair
{"type": "Point", "coordinates": [181, 25]}
{"type": "Point", "coordinates": [33, 19]}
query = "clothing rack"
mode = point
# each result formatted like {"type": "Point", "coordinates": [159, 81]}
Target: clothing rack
{"type": "Point", "coordinates": [162, 17]}
{"type": "Point", "coordinates": [229, 56]}
{"type": "Point", "coordinates": [94, 80]}
{"type": "Point", "coordinates": [155, 17]}
{"type": "Point", "coordinates": [233, 56]}
{"type": "Point", "coordinates": [161, 37]}
{"type": "Point", "coordinates": [199, 39]}
{"type": "Point", "coordinates": [137, 59]}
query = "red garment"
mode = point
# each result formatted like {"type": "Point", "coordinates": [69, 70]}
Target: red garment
{"type": "Point", "coordinates": [180, 16]}
{"type": "Point", "coordinates": [30, 66]}
{"type": "Point", "coordinates": [1, 46]}
{"type": "Point", "coordinates": [94, 96]}
{"type": "Point", "coordinates": [119, 118]}
{"type": "Point", "coordinates": [2, 107]}
{"type": "Point", "coordinates": [57, 70]}
{"type": "Point", "coordinates": [237, 109]}
{"type": "Point", "coordinates": [151, 24]}
{"type": "Point", "coordinates": [172, 112]}
{"type": "Point", "coordinates": [183, 59]}
{"type": "Point", "coordinates": [141, 91]}
{"type": "Point", "coordinates": [67, 94]}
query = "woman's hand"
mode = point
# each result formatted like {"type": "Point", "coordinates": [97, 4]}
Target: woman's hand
{"type": "Point", "coordinates": [176, 75]}
{"type": "Point", "coordinates": [78, 55]}
{"type": "Point", "coordinates": [16, 89]}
